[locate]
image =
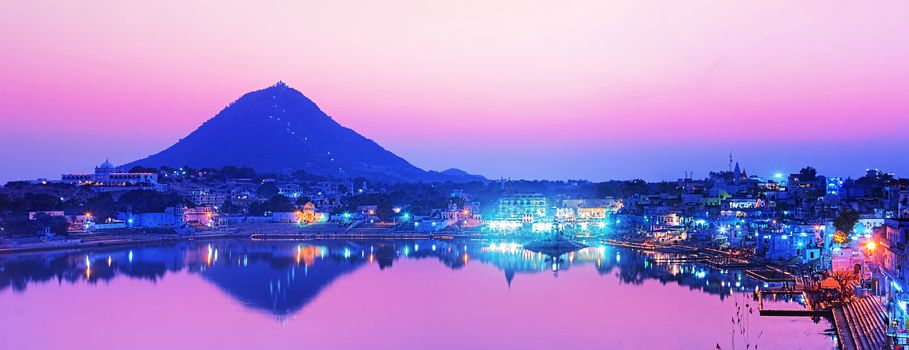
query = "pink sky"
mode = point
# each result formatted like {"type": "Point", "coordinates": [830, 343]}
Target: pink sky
{"type": "Point", "coordinates": [501, 88]}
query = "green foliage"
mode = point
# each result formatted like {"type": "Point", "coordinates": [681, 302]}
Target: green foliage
{"type": "Point", "coordinates": [56, 224]}
{"type": "Point", "coordinates": [276, 203]}
{"type": "Point", "coordinates": [230, 171]}
{"type": "Point", "coordinates": [846, 221]}
{"type": "Point", "coordinates": [30, 202]}
{"type": "Point", "coordinates": [631, 187]}
{"type": "Point", "coordinates": [102, 206]}
{"type": "Point", "coordinates": [383, 203]}
{"type": "Point", "coordinates": [229, 208]}
{"type": "Point", "coordinates": [267, 190]}
{"type": "Point", "coordinates": [141, 169]}
{"type": "Point", "coordinates": [144, 201]}
{"type": "Point", "coordinates": [808, 174]}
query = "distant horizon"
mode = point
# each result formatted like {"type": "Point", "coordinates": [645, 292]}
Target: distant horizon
{"type": "Point", "coordinates": [585, 90]}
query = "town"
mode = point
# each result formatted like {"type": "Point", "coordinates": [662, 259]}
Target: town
{"type": "Point", "coordinates": [835, 240]}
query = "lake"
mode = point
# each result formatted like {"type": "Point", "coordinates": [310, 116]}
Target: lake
{"type": "Point", "coordinates": [242, 294]}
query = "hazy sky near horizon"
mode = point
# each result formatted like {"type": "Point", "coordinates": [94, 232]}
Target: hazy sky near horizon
{"type": "Point", "coordinates": [521, 89]}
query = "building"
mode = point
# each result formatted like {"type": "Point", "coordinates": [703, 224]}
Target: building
{"type": "Point", "coordinates": [107, 177]}
{"type": "Point", "coordinates": [891, 260]}
{"type": "Point", "coordinates": [834, 185]}
{"type": "Point", "coordinates": [525, 207]}
{"type": "Point", "coordinates": [308, 214]}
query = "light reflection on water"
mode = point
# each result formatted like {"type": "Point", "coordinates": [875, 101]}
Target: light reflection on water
{"type": "Point", "coordinates": [397, 294]}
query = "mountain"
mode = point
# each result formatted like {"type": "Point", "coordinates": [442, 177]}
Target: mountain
{"type": "Point", "coordinates": [278, 129]}
{"type": "Point", "coordinates": [457, 175]}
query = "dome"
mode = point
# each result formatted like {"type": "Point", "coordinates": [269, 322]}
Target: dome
{"type": "Point", "coordinates": [106, 165]}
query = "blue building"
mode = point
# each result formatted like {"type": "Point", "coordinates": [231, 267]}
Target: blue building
{"type": "Point", "coordinates": [834, 185]}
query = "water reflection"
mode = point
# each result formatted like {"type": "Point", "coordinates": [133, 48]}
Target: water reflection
{"type": "Point", "coordinates": [282, 277]}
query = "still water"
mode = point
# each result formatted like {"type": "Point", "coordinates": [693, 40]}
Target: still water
{"type": "Point", "coordinates": [239, 294]}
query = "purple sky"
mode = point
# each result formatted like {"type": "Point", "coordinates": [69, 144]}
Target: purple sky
{"type": "Point", "coordinates": [595, 90]}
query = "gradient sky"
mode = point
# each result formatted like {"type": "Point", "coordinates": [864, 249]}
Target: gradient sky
{"type": "Point", "coordinates": [596, 90]}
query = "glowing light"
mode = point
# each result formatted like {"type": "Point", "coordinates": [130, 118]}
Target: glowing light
{"type": "Point", "coordinates": [870, 246]}
{"type": "Point", "coordinates": [541, 227]}
{"type": "Point", "coordinates": [502, 225]}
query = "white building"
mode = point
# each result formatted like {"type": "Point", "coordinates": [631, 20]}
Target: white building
{"type": "Point", "coordinates": [107, 177]}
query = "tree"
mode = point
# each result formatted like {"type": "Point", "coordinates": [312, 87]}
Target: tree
{"type": "Point", "coordinates": [145, 201]}
{"type": "Point", "coordinates": [57, 224]}
{"type": "Point", "coordinates": [37, 202]}
{"type": "Point", "coordinates": [609, 189]}
{"type": "Point", "coordinates": [808, 174]}
{"type": "Point", "coordinates": [141, 169]}
{"type": "Point", "coordinates": [102, 206]}
{"type": "Point", "coordinates": [846, 279]}
{"type": "Point", "coordinates": [636, 186]}
{"type": "Point", "coordinates": [276, 203]}
{"type": "Point", "coordinates": [302, 200]}
{"type": "Point", "coordinates": [846, 221]}
{"type": "Point", "coordinates": [267, 190]}
{"type": "Point", "coordinates": [230, 208]}
{"type": "Point", "coordinates": [230, 171]}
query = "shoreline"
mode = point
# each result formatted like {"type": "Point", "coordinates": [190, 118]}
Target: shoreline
{"type": "Point", "coordinates": [252, 232]}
